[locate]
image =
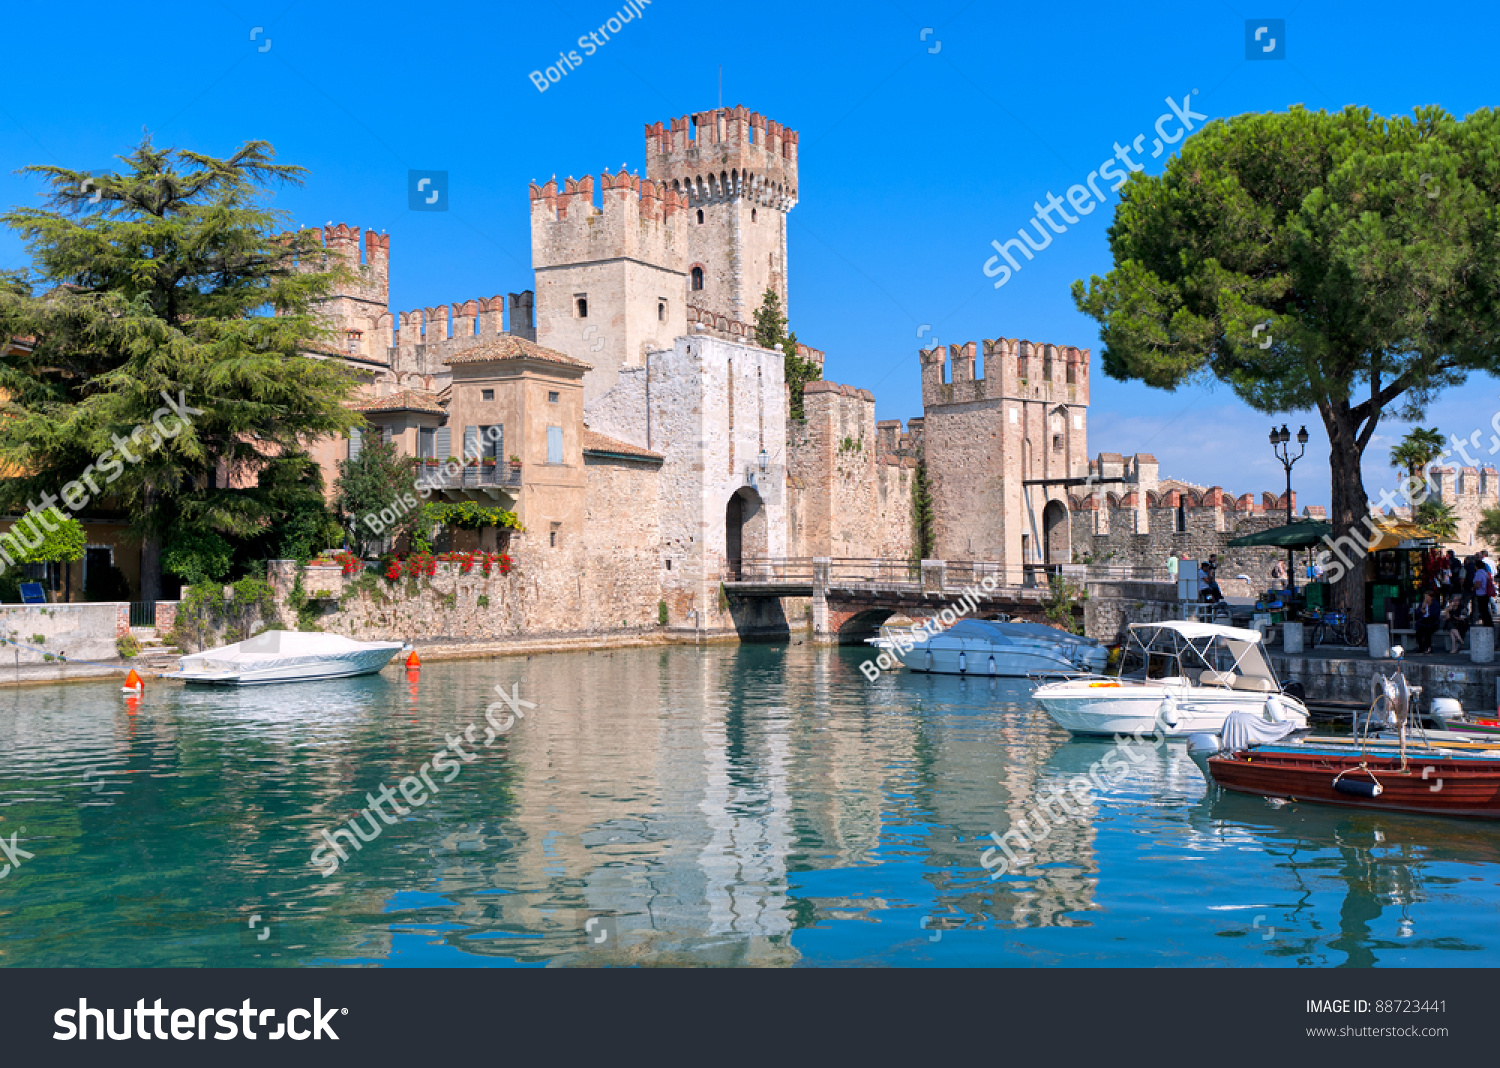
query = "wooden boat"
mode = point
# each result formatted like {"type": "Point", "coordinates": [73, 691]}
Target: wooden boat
{"type": "Point", "coordinates": [1438, 782]}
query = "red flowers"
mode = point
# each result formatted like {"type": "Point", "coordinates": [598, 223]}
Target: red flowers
{"type": "Point", "coordinates": [413, 565]}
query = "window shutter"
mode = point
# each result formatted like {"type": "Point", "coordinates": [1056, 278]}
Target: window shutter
{"type": "Point", "coordinates": [471, 443]}
{"type": "Point", "coordinates": [444, 447]}
{"type": "Point", "coordinates": [356, 443]}
{"type": "Point", "coordinates": [554, 445]}
{"type": "Point", "coordinates": [499, 432]}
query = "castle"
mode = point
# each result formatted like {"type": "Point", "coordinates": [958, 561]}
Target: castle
{"type": "Point", "coordinates": [623, 409]}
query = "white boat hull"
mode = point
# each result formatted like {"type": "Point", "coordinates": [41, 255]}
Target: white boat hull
{"type": "Point", "coordinates": [1082, 709]}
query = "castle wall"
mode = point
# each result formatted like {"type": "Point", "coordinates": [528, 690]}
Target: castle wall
{"type": "Point", "coordinates": [1125, 525]}
{"type": "Point", "coordinates": [847, 496]}
{"type": "Point", "coordinates": [712, 406]}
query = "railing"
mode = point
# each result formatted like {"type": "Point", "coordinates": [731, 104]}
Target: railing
{"type": "Point", "coordinates": [470, 476]}
{"type": "Point", "coordinates": [938, 574]}
{"type": "Point", "coordinates": [143, 613]}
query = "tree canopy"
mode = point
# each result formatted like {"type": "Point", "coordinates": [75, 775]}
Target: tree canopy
{"type": "Point", "coordinates": [771, 333]}
{"type": "Point", "coordinates": [1339, 262]}
{"type": "Point", "coordinates": [167, 279]}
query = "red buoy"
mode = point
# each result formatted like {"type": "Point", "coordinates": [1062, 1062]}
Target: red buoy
{"type": "Point", "coordinates": [413, 660]}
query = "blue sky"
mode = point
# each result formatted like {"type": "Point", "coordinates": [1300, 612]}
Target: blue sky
{"type": "Point", "coordinates": [916, 148]}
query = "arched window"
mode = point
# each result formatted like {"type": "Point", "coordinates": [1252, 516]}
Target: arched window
{"type": "Point", "coordinates": [698, 274]}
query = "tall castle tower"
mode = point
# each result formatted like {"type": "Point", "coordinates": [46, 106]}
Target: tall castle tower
{"type": "Point", "coordinates": [738, 171]}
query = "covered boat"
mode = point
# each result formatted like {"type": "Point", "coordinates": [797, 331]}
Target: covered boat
{"type": "Point", "coordinates": [1188, 674]}
{"type": "Point", "coordinates": [285, 656]}
{"type": "Point", "coordinates": [994, 647]}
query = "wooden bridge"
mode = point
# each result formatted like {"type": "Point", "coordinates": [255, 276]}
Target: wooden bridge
{"type": "Point", "coordinates": [851, 598]}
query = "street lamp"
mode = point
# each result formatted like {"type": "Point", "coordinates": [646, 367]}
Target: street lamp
{"type": "Point", "coordinates": [1283, 451]}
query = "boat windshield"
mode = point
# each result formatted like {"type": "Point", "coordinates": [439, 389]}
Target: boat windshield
{"type": "Point", "coordinates": [1210, 659]}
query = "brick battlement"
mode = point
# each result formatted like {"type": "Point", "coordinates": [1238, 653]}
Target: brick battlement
{"type": "Point", "coordinates": [1012, 368]}
{"type": "Point", "coordinates": [639, 219]}
{"type": "Point", "coordinates": [725, 152]}
{"type": "Point", "coordinates": [734, 330]}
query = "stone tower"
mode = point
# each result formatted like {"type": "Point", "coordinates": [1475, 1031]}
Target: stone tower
{"type": "Point", "coordinates": [738, 171]}
{"type": "Point", "coordinates": [1019, 417]}
{"type": "Point", "coordinates": [610, 279]}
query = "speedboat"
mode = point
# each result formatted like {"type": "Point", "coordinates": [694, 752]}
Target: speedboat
{"type": "Point", "coordinates": [1180, 676]}
{"type": "Point", "coordinates": [285, 656]}
{"type": "Point", "coordinates": [993, 647]}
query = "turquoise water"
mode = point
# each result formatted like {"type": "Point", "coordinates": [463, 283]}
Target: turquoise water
{"type": "Point", "coordinates": [752, 805]}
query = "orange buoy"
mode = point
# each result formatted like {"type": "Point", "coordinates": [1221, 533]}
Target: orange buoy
{"type": "Point", "coordinates": [133, 682]}
{"type": "Point", "coordinates": [413, 660]}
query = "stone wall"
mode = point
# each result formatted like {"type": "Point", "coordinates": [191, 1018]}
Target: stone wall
{"type": "Point", "coordinates": [77, 631]}
{"type": "Point", "coordinates": [1112, 606]}
{"type": "Point", "coordinates": [846, 496]}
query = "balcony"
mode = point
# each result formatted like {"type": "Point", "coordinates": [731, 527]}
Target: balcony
{"type": "Point", "coordinates": [481, 480]}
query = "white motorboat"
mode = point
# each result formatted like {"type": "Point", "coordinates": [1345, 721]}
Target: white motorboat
{"type": "Point", "coordinates": [1192, 675]}
{"type": "Point", "coordinates": [285, 656]}
{"type": "Point", "coordinates": [993, 647]}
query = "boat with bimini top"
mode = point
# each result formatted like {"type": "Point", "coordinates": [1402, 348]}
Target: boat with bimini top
{"type": "Point", "coordinates": [1191, 675]}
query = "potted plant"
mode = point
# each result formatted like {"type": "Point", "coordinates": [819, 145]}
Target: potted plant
{"type": "Point", "coordinates": [515, 462]}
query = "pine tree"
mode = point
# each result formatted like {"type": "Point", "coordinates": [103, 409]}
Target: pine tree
{"type": "Point", "coordinates": [771, 333]}
{"type": "Point", "coordinates": [155, 282]}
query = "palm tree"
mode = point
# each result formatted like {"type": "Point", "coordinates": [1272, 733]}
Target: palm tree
{"type": "Point", "coordinates": [1418, 449]}
{"type": "Point", "coordinates": [1437, 518]}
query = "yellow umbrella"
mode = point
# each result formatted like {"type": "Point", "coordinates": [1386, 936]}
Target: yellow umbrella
{"type": "Point", "coordinates": [1391, 532]}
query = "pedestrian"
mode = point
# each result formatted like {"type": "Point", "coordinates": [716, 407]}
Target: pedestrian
{"type": "Point", "coordinates": [1457, 622]}
{"type": "Point", "coordinates": [1278, 576]}
{"type": "Point", "coordinates": [1172, 566]}
{"type": "Point", "coordinates": [1427, 619]}
{"type": "Point", "coordinates": [1454, 566]}
{"type": "Point", "coordinates": [1484, 589]}
{"type": "Point", "coordinates": [1208, 589]}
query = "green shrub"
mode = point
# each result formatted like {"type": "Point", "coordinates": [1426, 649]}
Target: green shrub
{"type": "Point", "coordinates": [127, 647]}
{"type": "Point", "coordinates": [661, 613]}
{"type": "Point", "coordinates": [483, 600]}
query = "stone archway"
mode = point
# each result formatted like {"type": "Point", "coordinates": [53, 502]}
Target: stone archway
{"type": "Point", "coordinates": [1057, 534]}
{"type": "Point", "coordinates": [745, 530]}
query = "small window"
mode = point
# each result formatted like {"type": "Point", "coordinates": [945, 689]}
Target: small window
{"type": "Point", "coordinates": [487, 394]}
{"type": "Point", "coordinates": [661, 311]}
{"type": "Point", "coordinates": [669, 565]}
{"type": "Point", "coordinates": [427, 443]}
{"type": "Point", "coordinates": [552, 534]}
{"type": "Point", "coordinates": [1057, 443]}
{"type": "Point", "coordinates": [554, 445]}
{"type": "Point", "coordinates": [582, 304]}
{"type": "Point", "coordinates": [553, 396]}
{"type": "Point", "coordinates": [697, 277]}
{"type": "Point", "coordinates": [752, 214]}
{"type": "Point", "coordinates": [700, 215]}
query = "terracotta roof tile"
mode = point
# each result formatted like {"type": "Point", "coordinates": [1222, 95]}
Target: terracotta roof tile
{"type": "Point", "coordinates": [407, 400]}
{"type": "Point", "coordinates": [511, 347]}
{"type": "Point", "coordinates": [593, 441]}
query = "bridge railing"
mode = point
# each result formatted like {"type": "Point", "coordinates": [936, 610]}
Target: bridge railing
{"type": "Point", "coordinates": [934, 574]}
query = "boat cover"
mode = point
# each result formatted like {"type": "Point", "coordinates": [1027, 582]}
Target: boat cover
{"type": "Point", "coordinates": [276, 648]}
{"type": "Point", "coordinates": [1242, 729]}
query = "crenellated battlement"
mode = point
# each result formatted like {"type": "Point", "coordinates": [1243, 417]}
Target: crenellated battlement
{"type": "Point", "coordinates": [1012, 368]}
{"type": "Point", "coordinates": [638, 218]}
{"type": "Point", "coordinates": [709, 322]}
{"type": "Point", "coordinates": [725, 153]}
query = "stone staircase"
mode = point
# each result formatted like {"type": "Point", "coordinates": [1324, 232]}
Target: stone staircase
{"type": "Point", "coordinates": [156, 655]}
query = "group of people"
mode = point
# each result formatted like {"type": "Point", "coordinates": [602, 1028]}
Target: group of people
{"type": "Point", "coordinates": [1456, 594]}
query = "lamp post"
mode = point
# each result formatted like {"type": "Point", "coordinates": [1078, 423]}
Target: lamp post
{"type": "Point", "coordinates": [1283, 451]}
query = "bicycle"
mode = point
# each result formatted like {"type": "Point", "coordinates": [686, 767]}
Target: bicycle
{"type": "Point", "coordinates": [1326, 626]}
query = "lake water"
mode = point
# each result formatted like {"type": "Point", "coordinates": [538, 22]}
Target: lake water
{"type": "Point", "coordinates": [722, 805]}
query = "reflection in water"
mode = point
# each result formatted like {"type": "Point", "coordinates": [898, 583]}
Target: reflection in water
{"type": "Point", "coordinates": [720, 805]}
